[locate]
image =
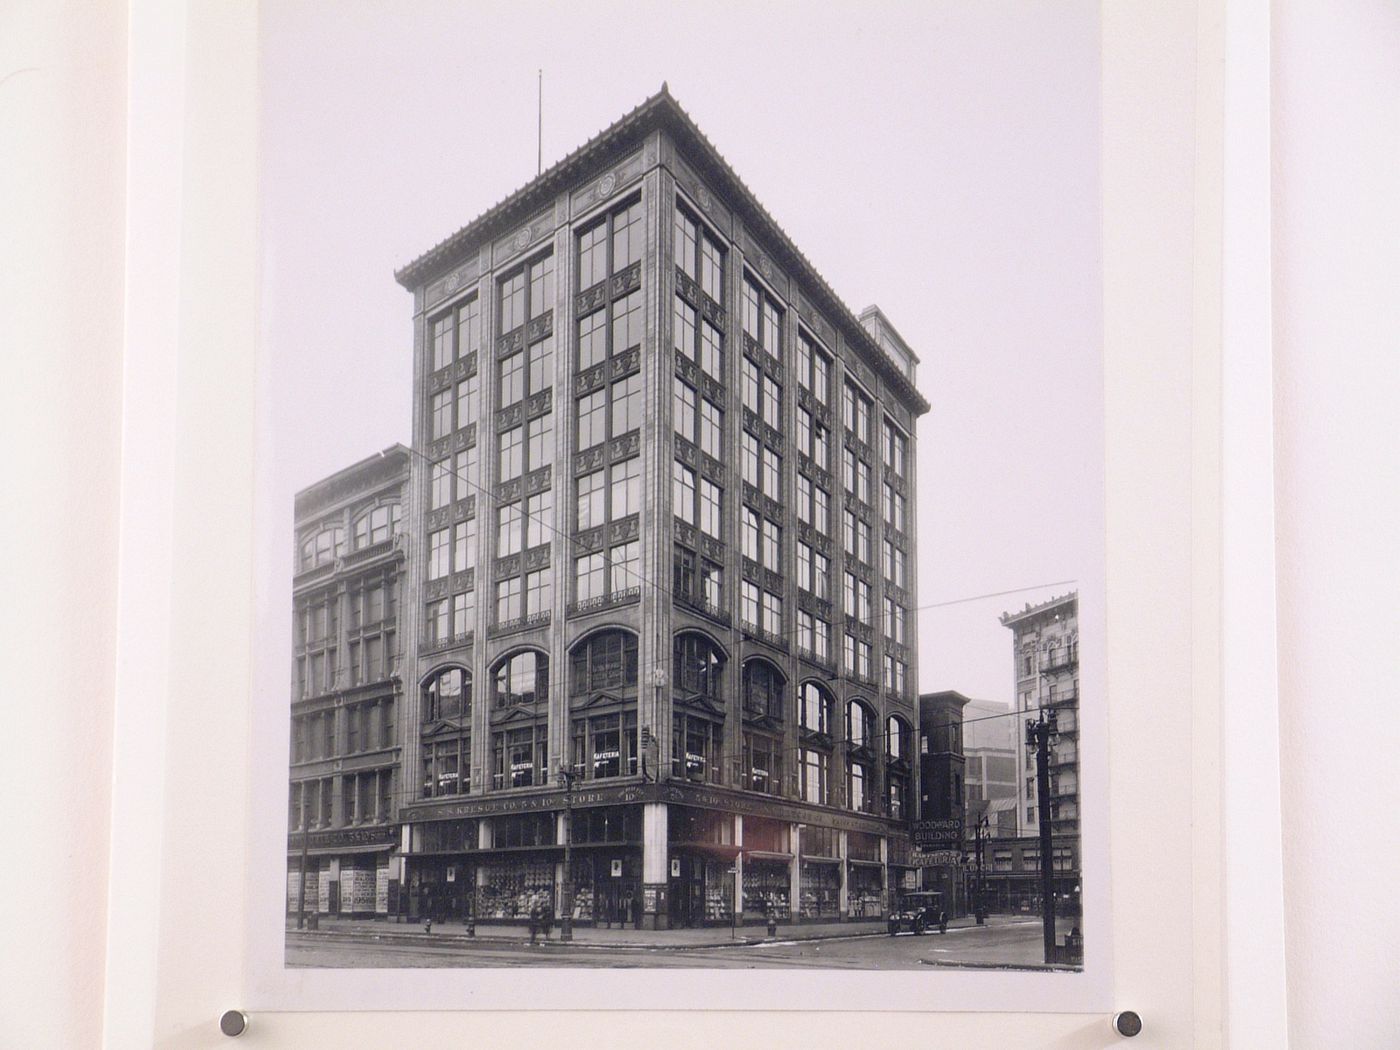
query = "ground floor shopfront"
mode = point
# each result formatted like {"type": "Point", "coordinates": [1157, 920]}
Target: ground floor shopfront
{"type": "Point", "coordinates": [646, 856]}
{"type": "Point", "coordinates": [349, 872]}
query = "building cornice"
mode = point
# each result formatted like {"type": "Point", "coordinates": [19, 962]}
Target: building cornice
{"type": "Point", "coordinates": [1031, 612]}
{"type": "Point", "coordinates": [657, 112]}
{"type": "Point", "coordinates": [384, 468]}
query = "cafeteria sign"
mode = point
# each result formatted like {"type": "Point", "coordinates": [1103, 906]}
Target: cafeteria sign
{"type": "Point", "coordinates": [940, 858]}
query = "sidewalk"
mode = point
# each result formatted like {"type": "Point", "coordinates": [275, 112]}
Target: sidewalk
{"type": "Point", "coordinates": [382, 931]}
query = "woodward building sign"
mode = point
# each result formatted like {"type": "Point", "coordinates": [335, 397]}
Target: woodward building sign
{"type": "Point", "coordinates": [938, 834]}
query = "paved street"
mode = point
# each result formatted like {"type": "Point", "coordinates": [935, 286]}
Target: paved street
{"type": "Point", "coordinates": [1009, 943]}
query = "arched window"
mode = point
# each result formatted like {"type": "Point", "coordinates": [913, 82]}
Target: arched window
{"type": "Point", "coordinates": [321, 548]}
{"type": "Point", "coordinates": [697, 666]}
{"type": "Point", "coordinates": [522, 678]}
{"type": "Point", "coordinates": [897, 739]}
{"type": "Point", "coordinates": [765, 690]}
{"type": "Point", "coordinates": [860, 724]}
{"type": "Point", "coordinates": [815, 708]}
{"type": "Point", "coordinates": [605, 662]}
{"type": "Point", "coordinates": [376, 525]}
{"type": "Point", "coordinates": [447, 696]}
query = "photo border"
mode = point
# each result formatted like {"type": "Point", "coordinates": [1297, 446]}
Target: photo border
{"type": "Point", "coordinates": [174, 968]}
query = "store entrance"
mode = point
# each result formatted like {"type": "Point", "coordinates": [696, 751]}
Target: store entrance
{"type": "Point", "coordinates": [701, 890]}
{"type": "Point", "coordinates": [617, 903]}
{"type": "Point", "coordinates": [441, 889]}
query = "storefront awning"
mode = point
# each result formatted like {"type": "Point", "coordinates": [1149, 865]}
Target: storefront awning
{"type": "Point", "coordinates": [341, 851]}
{"type": "Point", "coordinates": [762, 854]}
{"type": "Point", "coordinates": [708, 849]}
{"type": "Point", "coordinates": [820, 860]}
{"type": "Point", "coordinates": [868, 864]}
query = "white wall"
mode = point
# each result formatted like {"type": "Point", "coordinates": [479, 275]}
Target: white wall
{"type": "Point", "coordinates": [1336, 103]}
{"type": "Point", "coordinates": [62, 139]}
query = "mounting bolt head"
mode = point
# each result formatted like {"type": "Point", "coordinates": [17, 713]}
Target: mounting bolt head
{"type": "Point", "coordinates": [1127, 1023]}
{"type": "Point", "coordinates": [233, 1022]}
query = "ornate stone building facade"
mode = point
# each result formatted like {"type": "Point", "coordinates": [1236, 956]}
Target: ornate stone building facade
{"type": "Point", "coordinates": [660, 593]}
{"type": "Point", "coordinates": [1045, 655]}
{"type": "Point", "coordinates": [347, 693]}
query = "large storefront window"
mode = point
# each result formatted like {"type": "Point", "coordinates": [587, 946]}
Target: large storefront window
{"type": "Point", "coordinates": [608, 886]}
{"type": "Point", "coordinates": [512, 886]}
{"type": "Point", "coordinates": [768, 888]}
{"type": "Point", "coordinates": [865, 891]}
{"type": "Point", "coordinates": [821, 889]}
{"type": "Point", "coordinates": [605, 745]}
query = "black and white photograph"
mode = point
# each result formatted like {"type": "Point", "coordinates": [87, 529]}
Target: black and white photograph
{"type": "Point", "coordinates": [818, 523]}
{"type": "Point", "coordinates": [686, 461]}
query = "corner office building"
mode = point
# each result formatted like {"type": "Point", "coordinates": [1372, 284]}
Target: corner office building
{"type": "Point", "coordinates": [661, 522]}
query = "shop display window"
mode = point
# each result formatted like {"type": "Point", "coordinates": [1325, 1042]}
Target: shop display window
{"type": "Point", "coordinates": [821, 890]}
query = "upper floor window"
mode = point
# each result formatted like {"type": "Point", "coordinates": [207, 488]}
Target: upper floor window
{"type": "Point", "coordinates": [762, 394]}
{"type": "Point", "coordinates": [855, 413]}
{"type": "Point", "coordinates": [860, 724]}
{"type": "Point", "coordinates": [611, 243]}
{"type": "Point", "coordinates": [897, 737]}
{"type": "Point", "coordinates": [699, 255]}
{"type": "Point", "coordinates": [699, 420]}
{"type": "Point", "coordinates": [697, 666]}
{"type": "Point", "coordinates": [323, 547]}
{"type": "Point", "coordinates": [697, 338]}
{"type": "Point", "coordinates": [527, 293]}
{"type": "Point", "coordinates": [526, 372]}
{"type": "Point", "coordinates": [856, 473]}
{"type": "Point", "coordinates": [377, 525]}
{"type": "Point", "coordinates": [896, 448]}
{"type": "Point", "coordinates": [815, 706]}
{"type": "Point", "coordinates": [765, 690]}
{"type": "Point", "coordinates": [447, 696]}
{"type": "Point", "coordinates": [763, 318]}
{"type": "Point", "coordinates": [456, 334]}
{"type": "Point", "coordinates": [521, 679]}
{"type": "Point", "coordinates": [813, 368]}
{"type": "Point", "coordinates": [604, 662]}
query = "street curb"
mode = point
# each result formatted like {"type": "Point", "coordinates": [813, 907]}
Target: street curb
{"type": "Point", "coordinates": [462, 940]}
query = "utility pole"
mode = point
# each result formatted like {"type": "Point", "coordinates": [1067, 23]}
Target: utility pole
{"type": "Point", "coordinates": [981, 903]}
{"type": "Point", "coordinates": [566, 922]}
{"type": "Point", "coordinates": [1038, 734]}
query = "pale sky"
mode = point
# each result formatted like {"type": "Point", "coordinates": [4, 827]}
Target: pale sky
{"type": "Point", "coordinates": [939, 159]}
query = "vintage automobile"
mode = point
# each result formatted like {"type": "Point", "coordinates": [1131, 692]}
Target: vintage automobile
{"type": "Point", "coordinates": [917, 912]}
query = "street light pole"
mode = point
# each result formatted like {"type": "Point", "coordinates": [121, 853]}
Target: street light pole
{"type": "Point", "coordinates": [1038, 734]}
{"type": "Point", "coordinates": [981, 909]}
{"type": "Point", "coordinates": [301, 884]}
{"type": "Point", "coordinates": [566, 923]}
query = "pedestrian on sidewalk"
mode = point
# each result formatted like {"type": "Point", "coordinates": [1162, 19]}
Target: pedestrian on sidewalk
{"type": "Point", "coordinates": [534, 923]}
{"type": "Point", "coordinates": [547, 919]}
